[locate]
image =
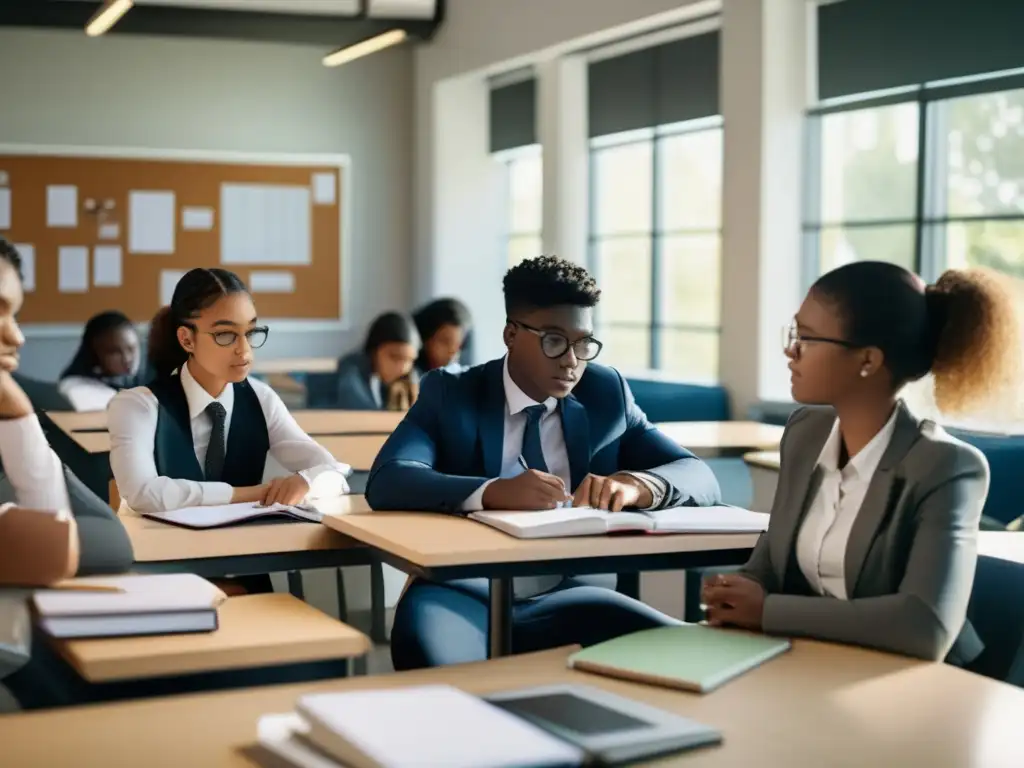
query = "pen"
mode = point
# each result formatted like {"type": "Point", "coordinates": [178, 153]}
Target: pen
{"type": "Point", "coordinates": [522, 463]}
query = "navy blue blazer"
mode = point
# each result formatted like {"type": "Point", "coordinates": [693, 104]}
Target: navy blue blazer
{"type": "Point", "coordinates": [451, 442]}
{"type": "Point", "coordinates": [355, 377]}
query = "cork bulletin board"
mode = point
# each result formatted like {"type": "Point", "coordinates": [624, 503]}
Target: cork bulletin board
{"type": "Point", "coordinates": [104, 230]}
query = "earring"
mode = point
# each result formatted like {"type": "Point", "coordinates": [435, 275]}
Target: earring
{"type": "Point", "coordinates": [863, 373]}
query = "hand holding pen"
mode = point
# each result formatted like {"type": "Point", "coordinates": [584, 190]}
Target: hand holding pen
{"type": "Point", "coordinates": [530, 491]}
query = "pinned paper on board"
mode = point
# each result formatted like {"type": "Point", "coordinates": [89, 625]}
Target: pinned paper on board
{"type": "Point", "coordinates": [62, 206]}
{"type": "Point", "coordinates": [151, 220]}
{"type": "Point", "coordinates": [106, 266]}
{"type": "Point", "coordinates": [325, 188]}
{"type": "Point", "coordinates": [5, 208]}
{"type": "Point", "coordinates": [197, 218]}
{"type": "Point", "coordinates": [168, 281]}
{"type": "Point", "coordinates": [73, 269]}
{"type": "Point", "coordinates": [264, 224]}
{"type": "Point", "coordinates": [272, 282]}
{"type": "Point", "coordinates": [111, 231]}
{"type": "Point", "coordinates": [28, 266]}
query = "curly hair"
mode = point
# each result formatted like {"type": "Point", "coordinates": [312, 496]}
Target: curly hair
{"type": "Point", "coordinates": [548, 281]}
{"type": "Point", "coordinates": [964, 330]}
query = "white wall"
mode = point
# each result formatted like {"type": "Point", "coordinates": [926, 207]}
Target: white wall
{"type": "Point", "coordinates": [63, 88]}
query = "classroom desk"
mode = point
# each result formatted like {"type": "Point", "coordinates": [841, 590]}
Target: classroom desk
{"type": "Point", "coordinates": [358, 451]}
{"type": "Point", "coordinates": [818, 705]}
{"type": "Point", "coordinates": [1005, 545]}
{"type": "Point", "coordinates": [439, 547]}
{"type": "Point", "coordinates": [764, 477]}
{"type": "Point", "coordinates": [76, 421]}
{"type": "Point", "coordinates": [296, 365]}
{"type": "Point", "coordinates": [723, 438]}
{"type": "Point", "coordinates": [254, 631]}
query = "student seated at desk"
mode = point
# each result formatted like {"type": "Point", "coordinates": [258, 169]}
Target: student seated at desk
{"type": "Point", "coordinates": [575, 426]}
{"type": "Point", "coordinates": [381, 375]}
{"type": "Point", "coordinates": [106, 362]}
{"type": "Point", "coordinates": [444, 326]}
{"type": "Point", "coordinates": [200, 433]}
{"type": "Point", "coordinates": [873, 533]}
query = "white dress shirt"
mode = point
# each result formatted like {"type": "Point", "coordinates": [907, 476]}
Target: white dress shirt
{"type": "Point", "coordinates": [35, 472]}
{"type": "Point", "coordinates": [86, 394]}
{"type": "Point", "coordinates": [132, 419]}
{"type": "Point", "coordinates": [821, 543]}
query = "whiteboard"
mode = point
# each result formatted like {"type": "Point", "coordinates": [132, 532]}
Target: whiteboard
{"type": "Point", "coordinates": [265, 224]}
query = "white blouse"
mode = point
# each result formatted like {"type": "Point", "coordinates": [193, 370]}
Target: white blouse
{"type": "Point", "coordinates": [821, 543]}
{"type": "Point", "coordinates": [132, 419]}
{"type": "Point", "coordinates": [35, 472]}
{"type": "Point", "coordinates": [86, 394]}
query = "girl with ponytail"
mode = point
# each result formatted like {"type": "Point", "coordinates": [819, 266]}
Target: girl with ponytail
{"type": "Point", "coordinates": [873, 532]}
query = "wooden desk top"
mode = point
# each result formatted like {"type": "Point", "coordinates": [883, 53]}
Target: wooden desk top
{"type": "Point", "coordinates": [255, 631]}
{"type": "Point", "coordinates": [723, 435]}
{"type": "Point", "coordinates": [1006, 545]}
{"type": "Point", "coordinates": [763, 459]}
{"type": "Point", "coordinates": [296, 365]}
{"type": "Point", "coordinates": [436, 540]}
{"type": "Point", "coordinates": [159, 542]}
{"type": "Point", "coordinates": [358, 451]}
{"type": "Point", "coordinates": [818, 705]}
{"type": "Point", "coordinates": [69, 421]}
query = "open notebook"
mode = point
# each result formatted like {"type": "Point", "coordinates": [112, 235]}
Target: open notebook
{"type": "Point", "coordinates": [586, 521]}
{"type": "Point", "coordinates": [234, 514]}
{"type": "Point", "coordinates": [155, 604]}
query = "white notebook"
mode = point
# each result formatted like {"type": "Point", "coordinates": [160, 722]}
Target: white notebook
{"type": "Point", "coordinates": [233, 514]}
{"type": "Point", "coordinates": [439, 726]}
{"type": "Point", "coordinates": [144, 605]}
{"type": "Point", "coordinates": [587, 521]}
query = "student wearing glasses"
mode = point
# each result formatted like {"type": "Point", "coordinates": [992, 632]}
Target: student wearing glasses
{"type": "Point", "coordinates": [582, 438]}
{"type": "Point", "coordinates": [874, 528]}
{"type": "Point", "coordinates": [200, 433]}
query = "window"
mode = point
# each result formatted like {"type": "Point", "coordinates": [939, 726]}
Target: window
{"type": "Point", "coordinates": [655, 242]}
{"type": "Point", "coordinates": [524, 194]}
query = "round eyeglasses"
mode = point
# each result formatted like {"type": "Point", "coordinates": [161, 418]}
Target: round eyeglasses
{"type": "Point", "coordinates": [554, 344]}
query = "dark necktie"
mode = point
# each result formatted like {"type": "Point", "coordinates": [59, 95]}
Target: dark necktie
{"type": "Point", "coordinates": [533, 454]}
{"type": "Point", "coordinates": [214, 466]}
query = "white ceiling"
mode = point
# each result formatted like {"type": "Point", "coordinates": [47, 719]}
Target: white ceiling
{"type": "Point", "coordinates": [376, 9]}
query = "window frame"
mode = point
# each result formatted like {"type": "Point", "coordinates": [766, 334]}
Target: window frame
{"type": "Point", "coordinates": [655, 233]}
{"type": "Point", "coordinates": [506, 159]}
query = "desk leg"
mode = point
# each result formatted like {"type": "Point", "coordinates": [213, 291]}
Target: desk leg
{"type": "Point", "coordinates": [499, 634]}
{"type": "Point", "coordinates": [295, 584]}
{"type": "Point", "coordinates": [378, 618]}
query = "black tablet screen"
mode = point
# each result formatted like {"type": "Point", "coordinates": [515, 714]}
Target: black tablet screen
{"type": "Point", "coordinates": [572, 713]}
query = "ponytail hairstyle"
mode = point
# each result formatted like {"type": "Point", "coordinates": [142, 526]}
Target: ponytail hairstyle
{"type": "Point", "coordinates": [964, 329]}
{"type": "Point", "coordinates": [197, 290]}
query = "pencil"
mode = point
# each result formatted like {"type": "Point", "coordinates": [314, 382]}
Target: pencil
{"type": "Point", "coordinates": [70, 586]}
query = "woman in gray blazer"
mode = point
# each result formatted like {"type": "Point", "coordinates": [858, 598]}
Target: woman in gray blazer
{"type": "Point", "coordinates": [381, 376]}
{"type": "Point", "coordinates": [873, 532]}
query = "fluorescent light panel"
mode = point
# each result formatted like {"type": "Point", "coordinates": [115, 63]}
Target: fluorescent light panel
{"type": "Point", "coordinates": [107, 16]}
{"type": "Point", "coordinates": [365, 48]}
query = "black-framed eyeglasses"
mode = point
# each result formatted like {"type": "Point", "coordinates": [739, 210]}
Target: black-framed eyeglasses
{"type": "Point", "coordinates": [554, 344]}
{"type": "Point", "coordinates": [793, 340]}
{"type": "Point", "coordinates": [256, 337]}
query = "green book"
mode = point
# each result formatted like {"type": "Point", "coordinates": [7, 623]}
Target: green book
{"type": "Point", "coordinates": [692, 657]}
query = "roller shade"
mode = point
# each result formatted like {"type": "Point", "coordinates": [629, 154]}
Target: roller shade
{"type": "Point", "coordinates": [665, 84]}
{"type": "Point", "coordinates": [513, 112]}
{"type": "Point", "coordinates": [873, 45]}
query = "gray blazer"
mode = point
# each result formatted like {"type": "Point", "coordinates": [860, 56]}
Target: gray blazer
{"type": "Point", "coordinates": [912, 552]}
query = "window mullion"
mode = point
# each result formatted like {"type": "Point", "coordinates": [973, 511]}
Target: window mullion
{"type": "Point", "coordinates": [656, 265]}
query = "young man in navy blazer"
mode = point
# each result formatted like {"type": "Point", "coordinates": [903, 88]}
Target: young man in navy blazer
{"type": "Point", "coordinates": [533, 430]}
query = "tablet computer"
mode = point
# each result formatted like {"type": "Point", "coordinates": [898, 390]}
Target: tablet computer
{"type": "Point", "coordinates": [611, 729]}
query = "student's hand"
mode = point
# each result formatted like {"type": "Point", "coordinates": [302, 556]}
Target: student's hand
{"type": "Point", "coordinates": [612, 493]}
{"type": "Point", "coordinates": [733, 600]}
{"type": "Point", "coordinates": [14, 403]}
{"type": "Point", "coordinates": [286, 490]}
{"type": "Point", "coordinates": [530, 491]}
{"type": "Point", "coordinates": [248, 493]}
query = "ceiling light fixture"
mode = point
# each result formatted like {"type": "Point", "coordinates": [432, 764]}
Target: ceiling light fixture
{"type": "Point", "coordinates": [107, 16]}
{"type": "Point", "coordinates": [365, 48]}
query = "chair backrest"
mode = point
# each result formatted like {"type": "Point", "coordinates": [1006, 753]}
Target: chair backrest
{"type": "Point", "coordinates": [1005, 455]}
{"type": "Point", "coordinates": [996, 611]}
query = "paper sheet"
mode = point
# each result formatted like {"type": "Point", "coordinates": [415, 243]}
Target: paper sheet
{"type": "Point", "coordinates": [106, 266]}
{"type": "Point", "coordinates": [28, 266]}
{"type": "Point", "coordinates": [168, 280]}
{"type": "Point", "coordinates": [151, 222]}
{"type": "Point", "coordinates": [73, 269]}
{"type": "Point", "coordinates": [325, 188]}
{"type": "Point", "coordinates": [264, 224]}
{"type": "Point", "coordinates": [5, 208]}
{"type": "Point", "coordinates": [111, 231]}
{"type": "Point", "coordinates": [272, 282]}
{"type": "Point", "coordinates": [197, 218]}
{"type": "Point", "coordinates": [62, 206]}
